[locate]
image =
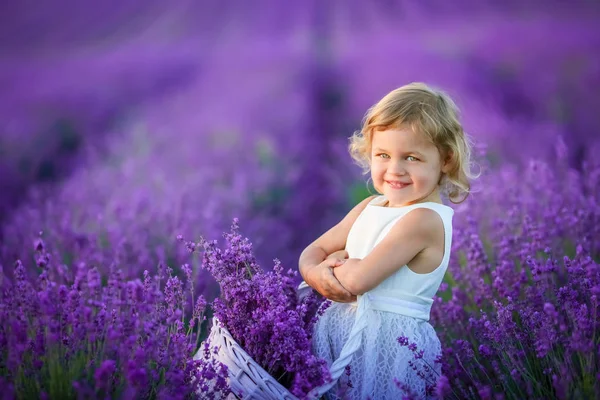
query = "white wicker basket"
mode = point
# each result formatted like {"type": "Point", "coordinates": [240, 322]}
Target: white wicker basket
{"type": "Point", "coordinates": [246, 377]}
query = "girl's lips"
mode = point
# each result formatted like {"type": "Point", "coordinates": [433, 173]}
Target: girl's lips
{"type": "Point", "coordinates": [397, 185]}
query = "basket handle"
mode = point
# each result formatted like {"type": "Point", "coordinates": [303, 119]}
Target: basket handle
{"type": "Point", "coordinates": [303, 290]}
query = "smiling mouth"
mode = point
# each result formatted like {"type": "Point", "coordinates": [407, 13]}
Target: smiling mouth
{"type": "Point", "coordinates": [397, 185]}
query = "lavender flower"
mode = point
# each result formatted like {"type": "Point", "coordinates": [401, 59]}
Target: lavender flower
{"type": "Point", "coordinates": [121, 340]}
{"type": "Point", "coordinates": [262, 312]}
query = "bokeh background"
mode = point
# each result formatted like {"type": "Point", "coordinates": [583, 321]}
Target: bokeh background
{"type": "Point", "coordinates": [125, 124]}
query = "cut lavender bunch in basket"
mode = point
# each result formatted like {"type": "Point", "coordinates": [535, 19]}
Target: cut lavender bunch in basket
{"type": "Point", "coordinates": [260, 315]}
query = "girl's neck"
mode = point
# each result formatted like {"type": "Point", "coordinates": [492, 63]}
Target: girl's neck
{"type": "Point", "coordinates": [433, 198]}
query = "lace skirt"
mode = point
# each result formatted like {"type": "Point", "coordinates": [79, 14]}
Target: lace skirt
{"type": "Point", "coordinates": [381, 359]}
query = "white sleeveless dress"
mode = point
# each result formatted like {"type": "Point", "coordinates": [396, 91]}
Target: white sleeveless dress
{"type": "Point", "coordinates": [363, 334]}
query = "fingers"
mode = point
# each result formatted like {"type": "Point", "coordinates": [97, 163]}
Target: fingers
{"type": "Point", "coordinates": [332, 262]}
{"type": "Point", "coordinates": [338, 262]}
{"type": "Point", "coordinates": [334, 290]}
{"type": "Point", "coordinates": [329, 287]}
{"type": "Point", "coordinates": [340, 254]}
{"type": "Point", "coordinates": [343, 299]}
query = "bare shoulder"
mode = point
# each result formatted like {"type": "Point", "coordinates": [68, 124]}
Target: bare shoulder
{"type": "Point", "coordinates": [425, 223]}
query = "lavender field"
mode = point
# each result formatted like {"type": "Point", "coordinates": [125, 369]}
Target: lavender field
{"type": "Point", "coordinates": [127, 126]}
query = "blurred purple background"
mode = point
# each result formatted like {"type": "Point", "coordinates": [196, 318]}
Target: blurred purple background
{"type": "Point", "coordinates": [124, 124]}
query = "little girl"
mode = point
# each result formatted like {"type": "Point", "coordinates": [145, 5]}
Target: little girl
{"type": "Point", "coordinates": [398, 246]}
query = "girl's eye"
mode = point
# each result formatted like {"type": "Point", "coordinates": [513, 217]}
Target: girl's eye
{"type": "Point", "coordinates": [383, 155]}
{"type": "Point", "coordinates": [412, 158]}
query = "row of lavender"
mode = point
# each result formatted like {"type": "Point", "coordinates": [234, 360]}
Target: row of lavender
{"type": "Point", "coordinates": [518, 317]}
{"type": "Point", "coordinates": [519, 312]}
{"type": "Point", "coordinates": [171, 173]}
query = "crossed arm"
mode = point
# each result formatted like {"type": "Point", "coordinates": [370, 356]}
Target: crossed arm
{"type": "Point", "coordinates": [342, 281]}
{"type": "Point", "coordinates": [315, 266]}
{"type": "Point", "coordinates": [407, 238]}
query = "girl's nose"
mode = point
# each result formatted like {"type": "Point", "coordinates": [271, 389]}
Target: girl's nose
{"type": "Point", "coordinates": [397, 168]}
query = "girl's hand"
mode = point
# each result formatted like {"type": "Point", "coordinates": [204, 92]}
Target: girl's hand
{"type": "Point", "coordinates": [321, 278]}
{"type": "Point", "coordinates": [339, 255]}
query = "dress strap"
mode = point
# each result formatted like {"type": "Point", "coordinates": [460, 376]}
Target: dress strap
{"type": "Point", "coordinates": [378, 200]}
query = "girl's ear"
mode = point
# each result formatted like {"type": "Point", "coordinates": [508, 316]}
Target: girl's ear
{"type": "Point", "coordinates": [448, 162]}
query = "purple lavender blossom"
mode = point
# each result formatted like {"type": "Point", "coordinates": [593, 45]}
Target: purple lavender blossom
{"type": "Point", "coordinates": [85, 339]}
{"type": "Point", "coordinates": [262, 312]}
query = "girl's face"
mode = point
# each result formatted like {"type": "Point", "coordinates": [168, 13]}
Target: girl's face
{"type": "Point", "coordinates": [405, 166]}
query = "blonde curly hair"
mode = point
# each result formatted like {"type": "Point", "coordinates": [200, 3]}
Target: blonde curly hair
{"type": "Point", "coordinates": [431, 112]}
